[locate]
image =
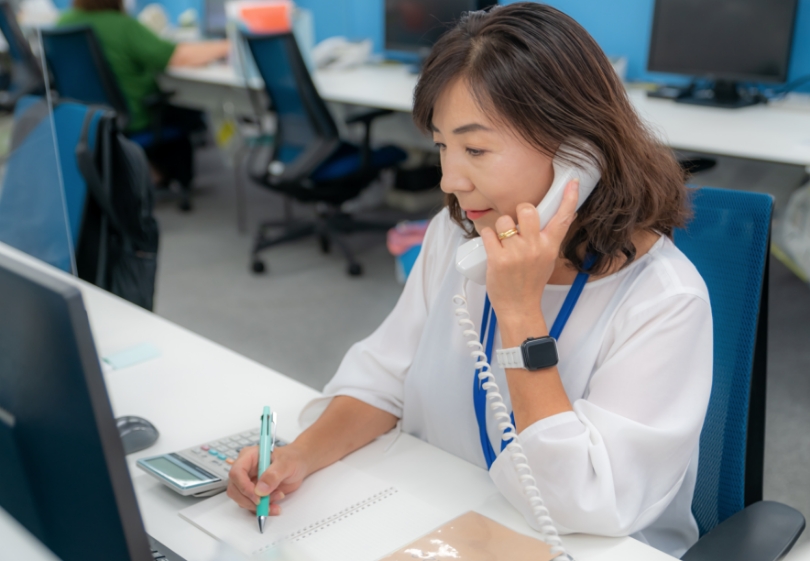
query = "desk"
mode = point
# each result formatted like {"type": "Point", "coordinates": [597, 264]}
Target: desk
{"type": "Point", "coordinates": [229, 390]}
{"type": "Point", "coordinates": [762, 132]}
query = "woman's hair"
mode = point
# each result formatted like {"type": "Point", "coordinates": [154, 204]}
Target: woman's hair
{"type": "Point", "coordinates": [97, 5]}
{"type": "Point", "coordinates": [537, 70]}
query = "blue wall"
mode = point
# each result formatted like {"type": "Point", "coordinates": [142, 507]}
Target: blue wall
{"type": "Point", "coordinates": [622, 27]}
{"type": "Point", "coordinates": [356, 19]}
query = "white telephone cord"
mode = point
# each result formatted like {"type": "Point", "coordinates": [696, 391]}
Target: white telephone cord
{"type": "Point", "coordinates": [495, 401]}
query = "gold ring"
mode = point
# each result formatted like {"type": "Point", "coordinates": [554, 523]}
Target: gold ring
{"type": "Point", "coordinates": [508, 234]}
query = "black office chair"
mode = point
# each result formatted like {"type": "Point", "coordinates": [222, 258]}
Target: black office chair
{"type": "Point", "coordinates": [81, 72]}
{"type": "Point", "coordinates": [26, 74]}
{"type": "Point", "coordinates": [308, 161]}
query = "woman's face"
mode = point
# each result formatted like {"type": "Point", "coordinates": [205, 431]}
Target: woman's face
{"type": "Point", "coordinates": [486, 165]}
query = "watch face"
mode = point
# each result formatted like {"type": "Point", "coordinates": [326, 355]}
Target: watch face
{"type": "Point", "coordinates": [540, 353]}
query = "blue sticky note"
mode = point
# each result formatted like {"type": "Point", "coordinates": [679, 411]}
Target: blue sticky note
{"type": "Point", "coordinates": [132, 356]}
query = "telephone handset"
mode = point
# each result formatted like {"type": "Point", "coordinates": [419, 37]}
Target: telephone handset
{"type": "Point", "coordinates": [471, 257]}
{"type": "Point", "coordinates": [471, 261]}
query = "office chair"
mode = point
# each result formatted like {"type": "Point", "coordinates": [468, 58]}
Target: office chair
{"type": "Point", "coordinates": [728, 240]}
{"type": "Point", "coordinates": [81, 72]}
{"type": "Point", "coordinates": [26, 74]}
{"type": "Point", "coordinates": [308, 161]}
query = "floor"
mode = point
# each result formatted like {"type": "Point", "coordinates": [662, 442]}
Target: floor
{"type": "Point", "coordinates": [303, 314]}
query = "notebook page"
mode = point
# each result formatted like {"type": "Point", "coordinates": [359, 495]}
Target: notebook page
{"type": "Point", "coordinates": [374, 532]}
{"type": "Point", "coordinates": [334, 497]}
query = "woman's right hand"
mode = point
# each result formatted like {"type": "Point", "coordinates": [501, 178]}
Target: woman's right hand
{"type": "Point", "coordinates": [346, 425]}
{"type": "Point", "coordinates": [286, 473]}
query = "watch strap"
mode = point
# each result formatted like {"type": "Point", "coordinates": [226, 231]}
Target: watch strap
{"type": "Point", "coordinates": [510, 358]}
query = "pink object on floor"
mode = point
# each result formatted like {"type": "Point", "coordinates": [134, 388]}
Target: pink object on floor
{"type": "Point", "coordinates": [406, 235]}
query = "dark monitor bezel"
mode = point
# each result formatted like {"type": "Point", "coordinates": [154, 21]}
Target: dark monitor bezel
{"type": "Point", "coordinates": [423, 50]}
{"type": "Point", "coordinates": [735, 76]}
{"type": "Point", "coordinates": [207, 30]}
{"type": "Point", "coordinates": [137, 544]}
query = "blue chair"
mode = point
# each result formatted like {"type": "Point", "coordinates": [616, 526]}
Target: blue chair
{"type": "Point", "coordinates": [308, 161]}
{"type": "Point", "coordinates": [728, 240]}
{"type": "Point", "coordinates": [26, 74]}
{"type": "Point", "coordinates": [81, 72]}
{"type": "Point", "coordinates": [34, 207]}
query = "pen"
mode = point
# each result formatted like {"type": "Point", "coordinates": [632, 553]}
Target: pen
{"type": "Point", "coordinates": [267, 439]}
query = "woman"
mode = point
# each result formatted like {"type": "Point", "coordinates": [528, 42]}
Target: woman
{"type": "Point", "coordinates": [136, 56]}
{"type": "Point", "coordinates": [611, 431]}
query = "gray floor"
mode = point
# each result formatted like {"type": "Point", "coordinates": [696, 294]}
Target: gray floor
{"type": "Point", "coordinates": [307, 302]}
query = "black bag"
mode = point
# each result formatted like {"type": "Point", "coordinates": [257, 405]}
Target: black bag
{"type": "Point", "coordinates": [118, 245]}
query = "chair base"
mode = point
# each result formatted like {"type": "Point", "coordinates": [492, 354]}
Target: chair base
{"type": "Point", "coordinates": [183, 196]}
{"type": "Point", "coordinates": [330, 226]}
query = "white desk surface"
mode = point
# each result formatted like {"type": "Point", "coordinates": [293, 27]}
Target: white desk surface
{"type": "Point", "coordinates": [763, 132]}
{"type": "Point", "coordinates": [197, 390]}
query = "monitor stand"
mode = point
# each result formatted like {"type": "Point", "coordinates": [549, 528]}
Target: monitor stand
{"type": "Point", "coordinates": [726, 94]}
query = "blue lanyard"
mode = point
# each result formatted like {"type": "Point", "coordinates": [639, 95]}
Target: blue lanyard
{"type": "Point", "coordinates": [489, 324]}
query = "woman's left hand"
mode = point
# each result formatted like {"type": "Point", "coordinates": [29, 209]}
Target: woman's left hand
{"type": "Point", "coordinates": [519, 267]}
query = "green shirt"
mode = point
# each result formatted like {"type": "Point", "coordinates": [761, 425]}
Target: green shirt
{"type": "Point", "coordinates": [136, 55]}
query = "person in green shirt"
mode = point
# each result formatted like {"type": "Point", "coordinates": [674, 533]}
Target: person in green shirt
{"type": "Point", "coordinates": [136, 56]}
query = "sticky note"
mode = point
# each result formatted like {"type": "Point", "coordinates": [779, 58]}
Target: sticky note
{"type": "Point", "coordinates": [132, 356]}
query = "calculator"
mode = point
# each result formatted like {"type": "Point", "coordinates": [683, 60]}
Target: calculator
{"type": "Point", "coordinates": [200, 471]}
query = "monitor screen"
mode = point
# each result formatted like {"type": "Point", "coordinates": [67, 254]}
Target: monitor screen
{"type": "Point", "coordinates": [215, 18]}
{"type": "Point", "coordinates": [415, 25]}
{"type": "Point", "coordinates": [723, 39]}
{"type": "Point", "coordinates": [62, 469]}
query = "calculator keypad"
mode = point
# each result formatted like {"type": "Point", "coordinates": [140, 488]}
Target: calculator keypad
{"type": "Point", "coordinates": [217, 456]}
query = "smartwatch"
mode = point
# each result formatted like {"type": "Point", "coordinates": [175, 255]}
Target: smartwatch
{"type": "Point", "coordinates": [533, 354]}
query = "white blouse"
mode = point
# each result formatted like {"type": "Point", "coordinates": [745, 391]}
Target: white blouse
{"type": "Point", "coordinates": [635, 361]}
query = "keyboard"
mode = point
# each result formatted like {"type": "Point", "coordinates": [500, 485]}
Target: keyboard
{"type": "Point", "coordinates": [162, 553]}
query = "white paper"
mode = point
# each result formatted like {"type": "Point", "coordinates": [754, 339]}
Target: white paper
{"type": "Point", "coordinates": [338, 513]}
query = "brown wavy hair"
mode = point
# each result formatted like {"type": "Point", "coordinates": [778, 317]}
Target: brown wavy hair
{"type": "Point", "coordinates": [99, 5]}
{"type": "Point", "coordinates": [538, 71]}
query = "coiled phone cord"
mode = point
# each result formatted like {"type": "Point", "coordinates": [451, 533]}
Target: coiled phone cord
{"type": "Point", "coordinates": [496, 404]}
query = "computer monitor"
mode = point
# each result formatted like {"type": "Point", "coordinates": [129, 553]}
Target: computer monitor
{"type": "Point", "coordinates": [723, 40]}
{"type": "Point", "coordinates": [215, 18]}
{"type": "Point", "coordinates": [413, 26]}
{"type": "Point", "coordinates": [64, 476]}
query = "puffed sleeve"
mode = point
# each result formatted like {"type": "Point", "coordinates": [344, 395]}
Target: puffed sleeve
{"type": "Point", "coordinates": [374, 369]}
{"type": "Point", "coordinates": [612, 465]}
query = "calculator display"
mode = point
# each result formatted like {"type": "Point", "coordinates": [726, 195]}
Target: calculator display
{"type": "Point", "coordinates": [174, 471]}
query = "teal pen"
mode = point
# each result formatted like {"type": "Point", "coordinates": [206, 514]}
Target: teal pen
{"type": "Point", "coordinates": [267, 439]}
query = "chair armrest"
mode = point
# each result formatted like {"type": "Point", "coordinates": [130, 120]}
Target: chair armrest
{"type": "Point", "coordinates": [157, 99]}
{"type": "Point", "coordinates": [368, 116]}
{"type": "Point", "coordinates": [763, 531]}
{"type": "Point", "coordinates": [156, 103]}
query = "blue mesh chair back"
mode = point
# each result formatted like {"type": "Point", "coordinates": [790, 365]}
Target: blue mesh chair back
{"type": "Point", "coordinates": [306, 133]}
{"type": "Point", "coordinates": [80, 70]}
{"type": "Point", "coordinates": [728, 241]}
{"type": "Point", "coordinates": [34, 205]}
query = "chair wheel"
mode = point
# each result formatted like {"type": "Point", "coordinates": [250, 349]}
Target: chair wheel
{"type": "Point", "coordinates": [325, 244]}
{"type": "Point", "coordinates": [355, 269]}
{"type": "Point", "coordinates": [185, 205]}
{"type": "Point", "coordinates": [258, 267]}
